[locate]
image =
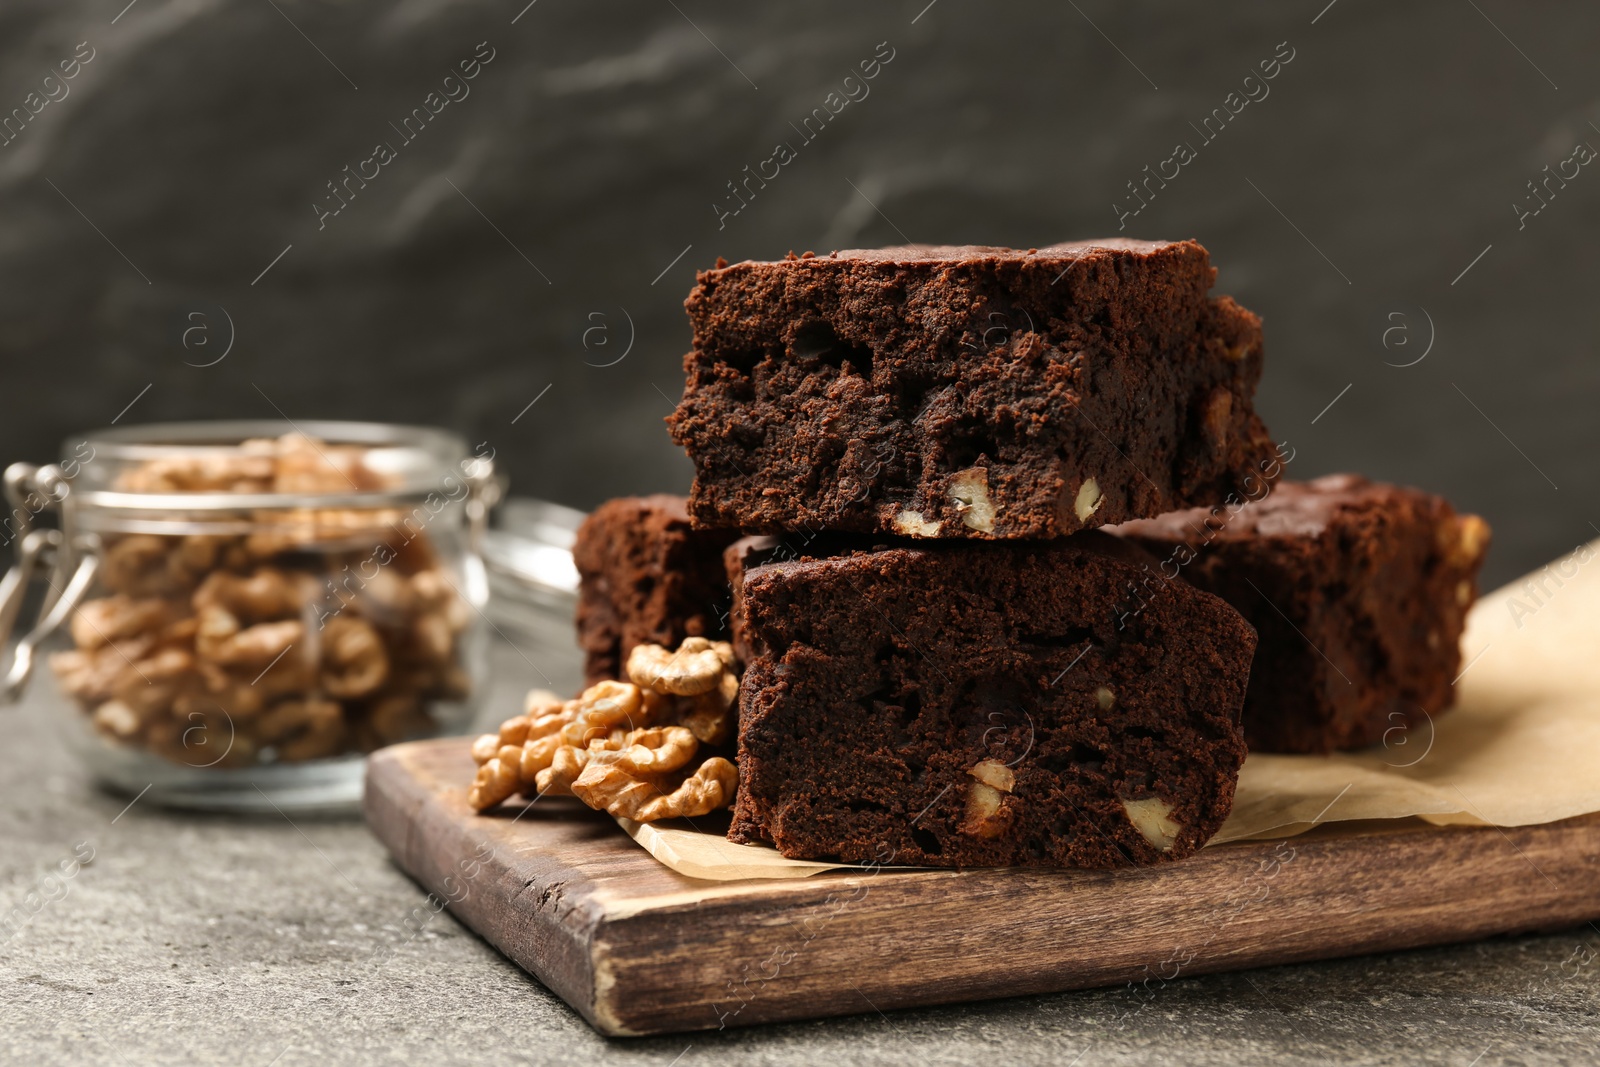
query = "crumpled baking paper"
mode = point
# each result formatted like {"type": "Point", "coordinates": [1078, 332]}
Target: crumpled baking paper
{"type": "Point", "coordinates": [1521, 746]}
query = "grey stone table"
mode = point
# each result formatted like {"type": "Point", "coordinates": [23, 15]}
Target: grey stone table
{"type": "Point", "coordinates": [257, 942]}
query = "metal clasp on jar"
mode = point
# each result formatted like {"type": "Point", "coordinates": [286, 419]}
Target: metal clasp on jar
{"type": "Point", "coordinates": [69, 567]}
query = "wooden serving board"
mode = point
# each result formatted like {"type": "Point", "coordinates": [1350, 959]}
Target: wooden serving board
{"type": "Point", "coordinates": [639, 949]}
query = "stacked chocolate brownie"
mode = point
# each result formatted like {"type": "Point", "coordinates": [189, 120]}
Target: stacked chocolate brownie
{"type": "Point", "coordinates": [969, 704]}
{"type": "Point", "coordinates": [968, 392]}
{"type": "Point", "coordinates": [936, 669]}
{"type": "Point", "coordinates": [944, 664]}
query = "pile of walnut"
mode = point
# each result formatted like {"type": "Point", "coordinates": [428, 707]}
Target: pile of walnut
{"type": "Point", "coordinates": [317, 633]}
{"type": "Point", "coordinates": [627, 748]}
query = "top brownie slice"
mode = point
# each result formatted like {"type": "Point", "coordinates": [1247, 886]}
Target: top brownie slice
{"type": "Point", "coordinates": [969, 391]}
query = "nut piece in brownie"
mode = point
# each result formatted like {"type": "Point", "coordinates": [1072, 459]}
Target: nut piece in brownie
{"type": "Point", "coordinates": [968, 391]}
{"type": "Point", "coordinates": [1359, 591]}
{"type": "Point", "coordinates": [971, 705]}
{"type": "Point", "coordinates": [646, 576]}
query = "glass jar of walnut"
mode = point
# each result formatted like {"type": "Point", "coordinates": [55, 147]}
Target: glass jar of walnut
{"type": "Point", "coordinates": [240, 613]}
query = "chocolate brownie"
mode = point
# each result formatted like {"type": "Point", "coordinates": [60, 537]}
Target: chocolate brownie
{"type": "Point", "coordinates": [742, 556]}
{"type": "Point", "coordinates": [646, 575]}
{"type": "Point", "coordinates": [757, 550]}
{"type": "Point", "coordinates": [1359, 591]}
{"type": "Point", "coordinates": [959, 704]}
{"type": "Point", "coordinates": [968, 391]}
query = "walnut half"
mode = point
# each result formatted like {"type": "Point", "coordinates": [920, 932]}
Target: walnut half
{"type": "Point", "coordinates": [694, 668]}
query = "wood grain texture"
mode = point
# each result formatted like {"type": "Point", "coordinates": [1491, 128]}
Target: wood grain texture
{"type": "Point", "coordinates": [639, 949]}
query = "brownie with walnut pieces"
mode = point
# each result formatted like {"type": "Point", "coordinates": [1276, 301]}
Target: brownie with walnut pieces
{"type": "Point", "coordinates": [968, 391]}
{"type": "Point", "coordinates": [1359, 591]}
{"type": "Point", "coordinates": [646, 576]}
{"type": "Point", "coordinates": [960, 704]}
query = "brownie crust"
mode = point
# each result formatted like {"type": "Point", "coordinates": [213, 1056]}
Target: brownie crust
{"type": "Point", "coordinates": [1359, 591]}
{"type": "Point", "coordinates": [968, 391]}
{"type": "Point", "coordinates": [646, 574]}
{"type": "Point", "coordinates": [886, 691]}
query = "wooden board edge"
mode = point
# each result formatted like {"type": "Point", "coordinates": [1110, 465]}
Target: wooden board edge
{"type": "Point", "coordinates": [1451, 884]}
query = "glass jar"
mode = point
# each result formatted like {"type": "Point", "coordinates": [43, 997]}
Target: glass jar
{"type": "Point", "coordinates": [533, 593]}
{"type": "Point", "coordinates": [234, 615]}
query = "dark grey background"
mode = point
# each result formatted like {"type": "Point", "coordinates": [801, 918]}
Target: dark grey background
{"type": "Point", "coordinates": [588, 155]}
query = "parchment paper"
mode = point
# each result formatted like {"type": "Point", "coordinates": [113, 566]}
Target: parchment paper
{"type": "Point", "coordinates": [1521, 746]}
